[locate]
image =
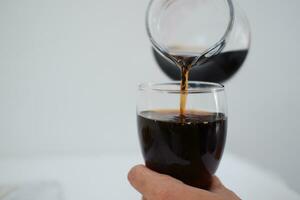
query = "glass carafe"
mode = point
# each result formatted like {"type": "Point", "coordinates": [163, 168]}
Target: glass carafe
{"type": "Point", "coordinates": [214, 34]}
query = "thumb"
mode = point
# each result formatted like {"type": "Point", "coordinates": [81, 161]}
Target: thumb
{"type": "Point", "coordinates": [155, 186]}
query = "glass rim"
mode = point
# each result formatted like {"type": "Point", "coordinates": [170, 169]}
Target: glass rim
{"type": "Point", "coordinates": [194, 87]}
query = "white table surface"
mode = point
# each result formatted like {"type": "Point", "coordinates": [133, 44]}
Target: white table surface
{"type": "Point", "coordinates": [105, 177]}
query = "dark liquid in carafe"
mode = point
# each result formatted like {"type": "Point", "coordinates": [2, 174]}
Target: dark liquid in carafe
{"type": "Point", "coordinates": [189, 151]}
{"type": "Point", "coordinates": [218, 68]}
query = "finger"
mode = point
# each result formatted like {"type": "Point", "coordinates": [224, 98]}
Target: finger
{"type": "Point", "coordinates": [216, 184]}
{"type": "Point", "coordinates": [156, 186]}
{"type": "Point", "coordinates": [217, 187]}
{"type": "Point", "coordinates": [148, 182]}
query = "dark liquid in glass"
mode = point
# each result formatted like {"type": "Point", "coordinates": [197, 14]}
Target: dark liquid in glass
{"type": "Point", "coordinates": [188, 150]}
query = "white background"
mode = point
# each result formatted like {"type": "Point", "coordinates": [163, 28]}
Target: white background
{"type": "Point", "coordinates": [69, 71]}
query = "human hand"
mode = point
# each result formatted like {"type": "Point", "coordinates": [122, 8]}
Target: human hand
{"type": "Point", "coordinates": [155, 186]}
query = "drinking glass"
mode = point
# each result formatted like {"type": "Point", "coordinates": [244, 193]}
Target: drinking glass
{"type": "Point", "coordinates": [189, 147]}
